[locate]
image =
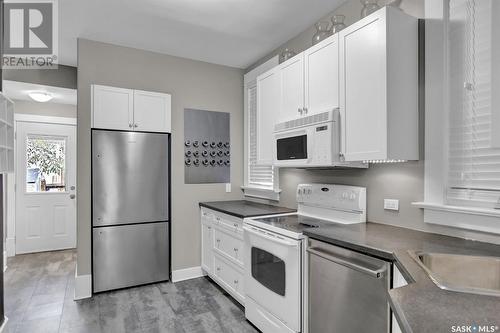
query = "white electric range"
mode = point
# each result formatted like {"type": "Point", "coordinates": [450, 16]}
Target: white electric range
{"type": "Point", "coordinates": [275, 256]}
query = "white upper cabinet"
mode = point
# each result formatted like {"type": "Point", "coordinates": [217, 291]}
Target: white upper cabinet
{"type": "Point", "coordinates": [292, 88]}
{"type": "Point", "coordinates": [379, 87]}
{"type": "Point", "coordinates": [321, 68]}
{"type": "Point", "coordinates": [268, 105]}
{"type": "Point", "coordinates": [112, 108]}
{"type": "Point", "coordinates": [152, 111]}
{"type": "Point", "coordinates": [128, 109]}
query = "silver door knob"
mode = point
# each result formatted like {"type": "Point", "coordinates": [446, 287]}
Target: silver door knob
{"type": "Point", "coordinates": [72, 196]}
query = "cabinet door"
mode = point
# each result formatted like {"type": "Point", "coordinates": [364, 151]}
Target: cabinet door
{"type": "Point", "coordinates": [268, 104]}
{"type": "Point", "coordinates": [207, 240]}
{"type": "Point", "coordinates": [292, 88]}
{"type": "Point", "coordinates": [363, 101]}
{"type": "Point", "coordinates": [321, 68]}
{"type": "Point", "coordinates": [152, 111]}
{"type": "Point", "coordinates": [112, 108]}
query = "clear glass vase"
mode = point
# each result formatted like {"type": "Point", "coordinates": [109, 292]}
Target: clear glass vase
{"type": "Point", "coordinates": [322, 31]}
{"type": "Point", "coordinates": [337, 23]}
{"type": "Point", "coordinates": [286, 54]}
{"type": "Point", "coordinates": [369, 6]}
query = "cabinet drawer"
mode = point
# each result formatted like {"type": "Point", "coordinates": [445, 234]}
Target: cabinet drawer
{"type": "Point", "coordinates": [230, 223]}
{"type": "Point", "coordinates": [206, 215]}
{"type": "Point", "coordinates": [230, 277]}
{"type": "Point", "coordinates": [228, 245]}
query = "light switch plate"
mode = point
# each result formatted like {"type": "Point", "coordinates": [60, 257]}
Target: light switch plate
{"type": "Point", "coordinates": [228, 187]}
{"type": "Point", "coordinates": [391, 204]}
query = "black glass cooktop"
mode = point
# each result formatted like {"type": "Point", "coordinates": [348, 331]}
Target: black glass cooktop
{"type": "Point", "coordinates": [296, 223]}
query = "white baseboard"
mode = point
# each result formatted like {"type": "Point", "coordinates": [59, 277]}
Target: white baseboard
{"type": "Point", "coordinates": [187, 274]}
{"type": "Point", "coordinates": [5, 320]}
{"type": "Point", "coordinates": [10, 245]}
{"type": "Point", "coordinates": [83, 286]}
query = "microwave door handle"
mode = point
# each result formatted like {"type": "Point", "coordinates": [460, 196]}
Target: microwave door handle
{"type": "Point", "coordinates": [267, 236]}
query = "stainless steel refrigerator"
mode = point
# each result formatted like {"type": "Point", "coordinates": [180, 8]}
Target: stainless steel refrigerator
{"type": "Point", "coordinates": [130, 209]}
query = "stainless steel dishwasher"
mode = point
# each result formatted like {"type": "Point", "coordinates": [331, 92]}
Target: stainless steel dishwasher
{"type": "Point", "coordinates": [347, 290]}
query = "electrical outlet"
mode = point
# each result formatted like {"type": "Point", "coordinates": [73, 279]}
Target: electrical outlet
{"type": "Point", "coordinates": [391, 204]}
{"type": "Point", "coordinates": [228, 187]}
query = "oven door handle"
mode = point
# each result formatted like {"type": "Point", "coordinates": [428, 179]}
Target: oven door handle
{"type": "Point", "coordinates": [328, 256]}
{"type": "Point", "coordinates": [268, 236]}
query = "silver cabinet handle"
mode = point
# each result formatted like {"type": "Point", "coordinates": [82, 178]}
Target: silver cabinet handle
{"type": "Point", "coordinates": [72, 196]}
{"type": "Point", "coordinates": [373, 273]}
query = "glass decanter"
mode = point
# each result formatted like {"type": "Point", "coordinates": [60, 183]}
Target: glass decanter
{"type": "Point", "coordinates": [369, 6]}
{"type": "Point", "coordinates": [322, 31]}
{"type": "Point", "coordinates": [338, 23]}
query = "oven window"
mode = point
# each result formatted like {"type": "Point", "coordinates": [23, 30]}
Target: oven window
{"type": "Point", "coordinates": [293, 148]}
{"type": "Point", "coordinates": [269, 270]}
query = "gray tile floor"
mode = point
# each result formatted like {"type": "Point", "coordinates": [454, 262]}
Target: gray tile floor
{"type": "Point", "coordinates": [39, 298]}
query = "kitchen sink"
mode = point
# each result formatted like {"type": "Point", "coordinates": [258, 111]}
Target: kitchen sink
{"type": "Point", "coordinates": [462, 273]}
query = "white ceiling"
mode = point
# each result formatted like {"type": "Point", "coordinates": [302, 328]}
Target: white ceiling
{"type": "Point", "coordinates": [228, 32]}
{"type": "Point", "coordinates": [20, 90]}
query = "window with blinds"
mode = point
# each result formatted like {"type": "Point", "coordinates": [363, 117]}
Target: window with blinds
{"type": "Point", "coordinates": [473, 161]}
{"type": "Point", "coordinates": [261, 176]}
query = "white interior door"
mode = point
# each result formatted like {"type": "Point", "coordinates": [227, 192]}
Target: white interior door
{"type": "Point", "coordinates": [45, 187]}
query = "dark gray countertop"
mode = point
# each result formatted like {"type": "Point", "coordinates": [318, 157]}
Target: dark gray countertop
{"type": "Point", "coordinates": [420, 306]}
{"type": "Point", "coordinates": [244, 208]}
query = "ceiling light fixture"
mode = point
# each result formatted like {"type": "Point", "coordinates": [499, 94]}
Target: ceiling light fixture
{"type": "Point", "coordinates": [41, 97]}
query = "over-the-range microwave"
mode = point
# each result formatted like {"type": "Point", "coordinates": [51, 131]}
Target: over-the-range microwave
{"type": "Point", "coordinates": [310, 142]}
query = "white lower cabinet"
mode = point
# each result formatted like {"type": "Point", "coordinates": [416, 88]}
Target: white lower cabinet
{"type": "Point", "coordinates": [222, 251]}
{"type": "Point", "coordinates": [398, 280]}
{"type": "Point", "coordinates": [230, 277]}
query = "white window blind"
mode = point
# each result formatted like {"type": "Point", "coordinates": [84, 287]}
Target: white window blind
{"type": "Point", "coordinates": [261, 176]}
{"type": "Point", "coordinates": [473, 161]}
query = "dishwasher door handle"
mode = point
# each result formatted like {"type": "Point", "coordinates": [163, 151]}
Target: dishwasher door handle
{"type": "Point", "coordinates": [379, 273]}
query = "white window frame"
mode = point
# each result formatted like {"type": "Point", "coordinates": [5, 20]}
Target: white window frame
{"type": "Point", "coordinates": [250, 190]}
{"type": "Point", "coordinates": [436, 211]}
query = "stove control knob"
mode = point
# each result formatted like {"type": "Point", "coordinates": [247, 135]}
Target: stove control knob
{"type": "Point", "coordinates": [221, 162]}
{"type": "Point", "coordinates": [196, 143]}
{"type": "Point", "coordinates": [196, 162]}
{"type": "Point", "coordinates": [213, 162]}
{"type": "Point", "coordinates": [205, 162]}
{"type": "Point", "coordinates": [196, 153]}
{"type": "Point", "coordinates": [213, 153]}
{"type": "Point", "coordinates": [204, 153]}
{"type": "Point", "coordinates": [226, 145]}
{"type": "Point", "coordinates": [187, 143]}
{"type": "Point", "coordinates": [220, 144]}
{"type": "Point", "coordinates": [188, 161]}
{"type": "Point", "coordinates": [227, 163]}
{"type": "Point", "coordinates": [204, 143]}
{"type": "Point", "coordinates": [213, 145]}
{"type": "Point", "coordinates": [227, 153]}
{"type": "Point", "coordinates": [220, 153]}
{"type": "Point", "coordinates": [188, 153]}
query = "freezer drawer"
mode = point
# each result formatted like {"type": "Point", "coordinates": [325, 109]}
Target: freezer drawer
{"type": "Point", "coordinates": [347, 290]}
{"type": "Point", "coordinates": [129, 255]}
{"type": "Point", "coordinates": [130, 177]}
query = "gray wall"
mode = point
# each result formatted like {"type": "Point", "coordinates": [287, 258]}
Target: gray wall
{"type": "Point", "coordinates": [193, 84]}
{"type": "Point", "coordinates": [391, 181]}
{"type": "Point", "coordinates": [45, 109]}
{"type": "Point", "coordinates": [63, 76]}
